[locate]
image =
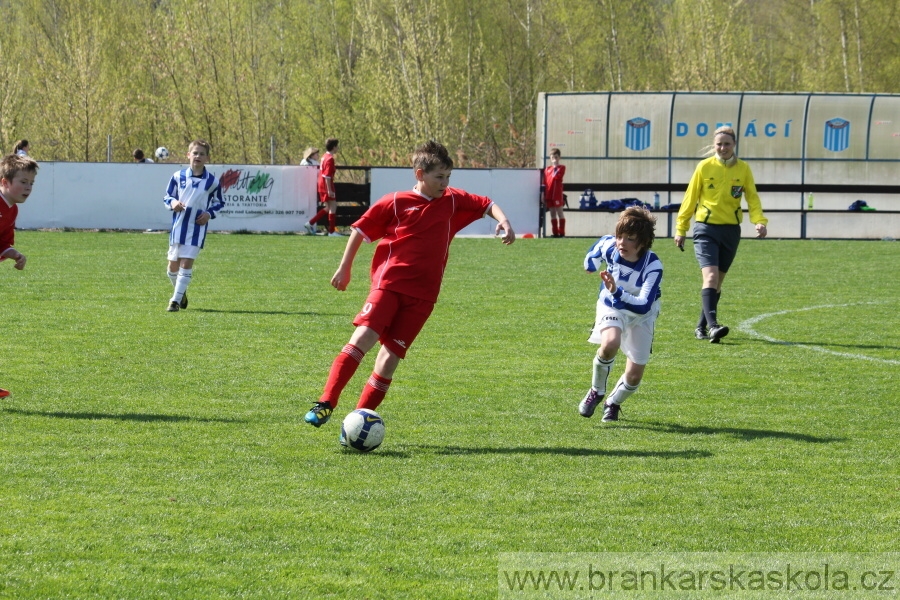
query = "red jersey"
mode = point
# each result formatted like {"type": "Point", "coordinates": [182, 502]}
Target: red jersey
{"type": "Point", "coordinates": [326, 169]}
{"type": "Point", "coordinates": [8, 216]}
{"type": "Point", "coordinates": [415, 234]}
{"type": "Point", "coordinates": [553, 185]}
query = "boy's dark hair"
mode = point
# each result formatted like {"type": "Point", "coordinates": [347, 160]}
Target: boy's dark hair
{"type": "Point", "coordinates": [12, 164]}
{"type": "Point", "coordinates": [138, 154]}
{"type": "Point", "coordinates": [430, 156]}
{"type": "Point", "coordinates": [331, 144]}
{"type": "Point", "coordinates": [20, 145]}
{"type": "Point", "coordinates": [202, 143]}
{"type": "Point", "coordinates": [555, 152]}
{"type": "Point", "coordinates": [639, 222]}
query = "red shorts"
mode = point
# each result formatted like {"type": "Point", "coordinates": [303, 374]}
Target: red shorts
{"type": "Point", "coordinates": [554, 203]}
{"type": "Point", "coordinates": [397, 318]}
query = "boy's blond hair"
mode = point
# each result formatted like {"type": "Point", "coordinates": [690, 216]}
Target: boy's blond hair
{"type": "Point", "coordinates": [202, 143]}
{"type": "Point", "coordinates": [12, 164]}
{"type": "Point", "coordinates": [639, 222]}
{"type": "Point", "coordinates": [430, 156]}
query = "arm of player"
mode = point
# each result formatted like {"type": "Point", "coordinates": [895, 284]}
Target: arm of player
{"type": "Point", "coordinates": [341, 278]}
{"type": "Point", "coordinates": [503, 224]}
{"type": "Point", "coordinates": [13, 254]}
{"type": "Point", "coordinates": [599, 253]}
{"type": "Point", "coordinates": [171, 199]}
{"type": "Point", "coordinates": [215, 202]}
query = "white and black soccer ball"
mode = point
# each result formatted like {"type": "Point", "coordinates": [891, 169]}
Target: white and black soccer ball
{"type": "Point", "coordinates": [162, 153]}
{"type": "Point", "coordinates": [362, 430]}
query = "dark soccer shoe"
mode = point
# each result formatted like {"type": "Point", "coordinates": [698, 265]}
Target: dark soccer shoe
{"type": "Point", "coordinates": [611, 412]}
{"type": "Point", "coordinates": [701, 334]}
{"type": "Point", "coordinates": [716, 333]}
{"type": "Point", "coordinates": [319, 414]}
{"type": "Point", "coordinates": [184, 300]}
{"type": "Point", "coordinates": [589, 403]}
{"type": "Point", "coordinates": [173, 307]}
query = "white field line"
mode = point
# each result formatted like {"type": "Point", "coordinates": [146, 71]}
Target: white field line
{"type": "Point", "coordinates": [747, 327]}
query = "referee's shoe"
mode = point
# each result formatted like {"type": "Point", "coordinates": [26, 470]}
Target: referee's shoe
{"type": "Point", "coordinates": [716, 333]}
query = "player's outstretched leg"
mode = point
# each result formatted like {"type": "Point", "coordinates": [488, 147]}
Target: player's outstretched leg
{"type": "Point", "coordinates": [342, 370]}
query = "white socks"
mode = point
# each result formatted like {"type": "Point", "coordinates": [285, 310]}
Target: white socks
{"type": "Point", "coordinates": [182, 281]}
{"type": "Point", "coordinates": [621, 392]}
{"type": "Point", "coordinates": [601, 373]}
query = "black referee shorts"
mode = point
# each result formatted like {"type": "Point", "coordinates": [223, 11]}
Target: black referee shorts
{"type": "Point", "coordinates": [716, 245]}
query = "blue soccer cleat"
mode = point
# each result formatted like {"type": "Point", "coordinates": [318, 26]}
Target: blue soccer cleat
{"type": "Point", "coordinates": [319, 414]}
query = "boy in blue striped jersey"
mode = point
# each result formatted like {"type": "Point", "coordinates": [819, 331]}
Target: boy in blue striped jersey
{"type": "Point", "coordinates": [627, 308]}
{"type": "Point", "coordinates": [194, 196]}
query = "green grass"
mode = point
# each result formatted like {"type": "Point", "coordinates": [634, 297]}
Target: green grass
{"type": "Point", "coordinates": [147, 454]}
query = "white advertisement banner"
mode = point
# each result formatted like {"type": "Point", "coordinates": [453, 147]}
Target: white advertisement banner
{"type": "Point", "coordinates": [257, 198]}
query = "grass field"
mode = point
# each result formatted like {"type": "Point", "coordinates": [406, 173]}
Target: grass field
{"type": "Point", "coordinates": [148, 454]}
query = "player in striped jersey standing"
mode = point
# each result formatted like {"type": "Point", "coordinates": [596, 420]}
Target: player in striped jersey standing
{"type": "Point", "coordinates": [194, 196]}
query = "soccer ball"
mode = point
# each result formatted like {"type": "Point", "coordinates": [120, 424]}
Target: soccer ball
{"type": "Point", "coordinates": [362, 430]}
{"type": "Point", "coordinates": [162, 153]}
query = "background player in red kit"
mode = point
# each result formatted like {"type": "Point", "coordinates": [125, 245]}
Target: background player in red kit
{"type": "Point", "coordinates": [553, 193]}
{"type": "Point", "coordinates": [415, 229]}
{"type": "Point", "coordinates": [325, 188]}
{"type": "Point", "coordinates": [17, 173]}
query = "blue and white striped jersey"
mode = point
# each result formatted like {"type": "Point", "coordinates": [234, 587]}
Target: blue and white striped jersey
{"type": "Point", "coordinates": [198, 194]}
{"type": "Point", "coordinates": [638, 282]}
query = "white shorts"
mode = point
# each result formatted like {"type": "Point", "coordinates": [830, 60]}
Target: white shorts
{"type": "Point", "coordinates": [177, 251]}
{"type": "Point", "coordinates": [637, 330]}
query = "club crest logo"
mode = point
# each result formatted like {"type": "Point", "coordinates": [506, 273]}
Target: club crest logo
{"type": "Point", "coordinates": [637, 134]}
{"type": "Point", "coordinates": [837, 134]}
{"type": "Point", "coordinates": [737, 191]}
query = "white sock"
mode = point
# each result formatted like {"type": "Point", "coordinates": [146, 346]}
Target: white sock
{"type": "Point", "coordinates": [601, 373]}
{"type": "Point", "coordinates": [173, 277]}
{"type": "Point", "coordinates": [621, 392]}
{"type": "Point", "coordinates": [181, 284]}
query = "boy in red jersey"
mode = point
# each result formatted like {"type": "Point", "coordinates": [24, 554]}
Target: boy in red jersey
{"type": "Point", "coordinates": [325, 188]}
{"type": "Point", "coordinates": [553, 193]}
{"type": "Point", "coordinates": [415, 229]}
{"type": "Point", "coordinates": [17, 173]}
